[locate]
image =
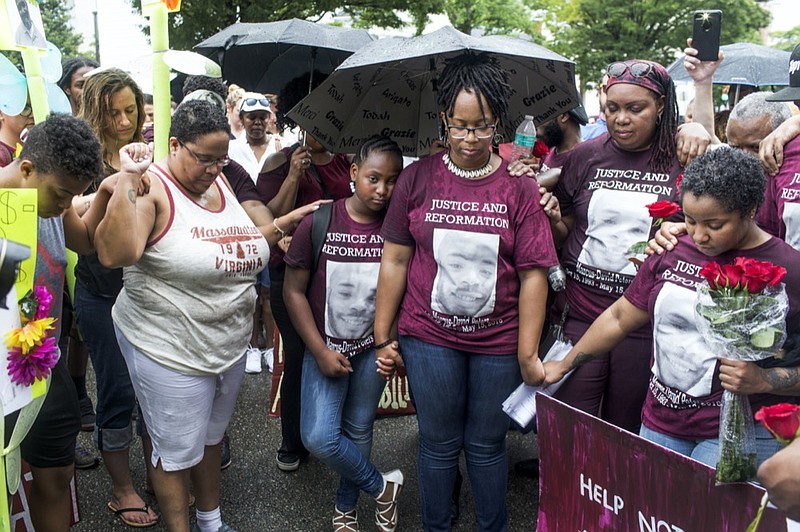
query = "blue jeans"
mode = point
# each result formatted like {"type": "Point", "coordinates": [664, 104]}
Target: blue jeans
{"type": "Point", "coordinates": [707, 451]}
{"type": "Point", "coordinates": [459, 396]}
{"type": "Point", "coordinates": [336, 420]}
{"type": "Point", "coordinates": [115, 396]}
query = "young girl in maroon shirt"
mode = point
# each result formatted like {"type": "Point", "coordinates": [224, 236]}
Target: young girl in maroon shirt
{"type": "Point", "coordinates": [331, 300]}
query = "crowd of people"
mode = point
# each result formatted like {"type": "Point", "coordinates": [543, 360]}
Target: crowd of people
{"type": "Point", "coordinates": [185, 264]}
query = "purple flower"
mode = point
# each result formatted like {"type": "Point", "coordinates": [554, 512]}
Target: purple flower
{"type": "Point", "coordinates": [44, 300]}
{"type": "Point", "coordinates": [25, 369]}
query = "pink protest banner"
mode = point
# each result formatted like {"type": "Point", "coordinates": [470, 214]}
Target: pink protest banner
{"type": "Point", "coordinates": [594, 476]}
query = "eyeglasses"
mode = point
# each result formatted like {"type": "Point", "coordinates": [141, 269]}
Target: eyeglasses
{"type": "Point", "coordinates": [206, 163]}
{"type": "Point", "coordinates": [637, 70]}
{"type": "Point", "coordinates": [462, 132]}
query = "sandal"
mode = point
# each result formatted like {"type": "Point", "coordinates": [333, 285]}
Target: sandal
{"type": "Point", "coordinates": [120, 511]}
{"type": "Point", "coordinates": [345, 521]}
{"type": "Point", "coordinates": [386, 511]}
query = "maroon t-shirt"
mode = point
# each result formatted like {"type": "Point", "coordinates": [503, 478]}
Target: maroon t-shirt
{"type": "Point", "coordinates": [471, 237]}
{"type": "Point", "coordinates": [554, 159]}
{"type": "Point", "coordinates": [241, 182]}
{"type": "Point", "coordinates": [6, 154]}
{"type": "Point", "coordinates": [341, 291]}
{"type": "Point", "coordinates": [335, 176]}
{"type": "Point", "coordinates": [780, 214]}
{"type": "Point", "coordinates": [607, 190]}
{"type": "Point", "coordinates": [685, 392]}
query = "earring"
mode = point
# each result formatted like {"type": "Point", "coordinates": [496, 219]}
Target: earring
{"type": "Point", "coordinates": [352, 187]}
{"type": "Point", "coordinates": [497, 139]}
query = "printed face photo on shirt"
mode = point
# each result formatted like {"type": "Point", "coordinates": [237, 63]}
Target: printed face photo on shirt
{"type": "Point", "coordinates": [466, 272]}
{"type": "Point", "coordinates": [791, 219]}
{"type": "Point", "coordinates": [683, 360]}
{"type": "Point", "coordinates": [616, 220]}
{"type": "Point", "coordinates": [350, 299]}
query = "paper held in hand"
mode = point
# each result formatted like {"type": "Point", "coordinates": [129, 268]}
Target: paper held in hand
{"type": "Point", "coordinates": [521, 404]}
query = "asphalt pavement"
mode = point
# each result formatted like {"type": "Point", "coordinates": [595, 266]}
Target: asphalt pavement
{"type": "Point", "coordinates": [258, 497]}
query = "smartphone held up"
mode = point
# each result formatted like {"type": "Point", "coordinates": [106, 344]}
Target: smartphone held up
{"type": "Point", "coordinates": [706, 26]}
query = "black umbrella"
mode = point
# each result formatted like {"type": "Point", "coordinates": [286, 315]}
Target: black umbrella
{"type": "Point", "coordinates": [744, 64]}
{"type": "Point", "coordinates": [263, 57]}
{"type": "Point", "coordinates": [389, 87]}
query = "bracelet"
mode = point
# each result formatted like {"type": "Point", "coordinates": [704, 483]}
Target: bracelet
{"type": "Point", "coordinates": [384, 344]}
{"type": "Point", "coordinates": [275, 224]}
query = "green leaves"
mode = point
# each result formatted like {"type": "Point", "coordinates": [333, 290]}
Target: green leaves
{"type": "Point", "coordinates": [765, 338]}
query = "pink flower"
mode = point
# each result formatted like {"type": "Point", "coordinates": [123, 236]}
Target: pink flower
{"type": "Point", "coordinates": [25, 369]}
{"type": "Point", "coordinates": [44, 300]}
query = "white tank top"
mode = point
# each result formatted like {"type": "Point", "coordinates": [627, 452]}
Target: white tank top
{"type": "Point", "coordinates": [188, 303]}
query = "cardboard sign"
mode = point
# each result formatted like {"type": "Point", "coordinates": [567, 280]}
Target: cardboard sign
{"type": "Point", "coordinates": [594, 476]}
{"type": "Point", "coordinates": [19, 222]}
{"type": "Point", "coordinates": [21, 25]}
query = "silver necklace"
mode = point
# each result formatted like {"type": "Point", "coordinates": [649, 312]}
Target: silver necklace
{"type": "Point", "coordinates": [468, 174]}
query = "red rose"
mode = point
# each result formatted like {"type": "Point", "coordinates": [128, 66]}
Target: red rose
{"type": "Point", "coordinates": [663, 209]}
{"type": "Point", "coordinates": [678, 182]}
{"type": "Point", "coordinates": [758, 274]}
{"type": "Point", "coordinates": [540, 149]}
{"type": "Point", "coordinates": [712, 272]}
{"type": "Point", "coordinates": [778, 273]}
{"type": "Point", "coordinates": [732, 275]}
{"type": "Point", "coordinates": [782, 420]}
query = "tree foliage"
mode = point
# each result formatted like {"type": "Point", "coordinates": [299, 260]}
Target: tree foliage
{"type": "Point", "coordinates": [57, 29]}
{"type": "Point", "coordinates": [199, 19]}
{"type": "Point", "coordinates": [595, 33]}
{"type": "Point", "coordinates": [787, 40]}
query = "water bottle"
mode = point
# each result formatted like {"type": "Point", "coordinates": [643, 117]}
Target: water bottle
{"type": "Point", "coordinates": [524, 140]}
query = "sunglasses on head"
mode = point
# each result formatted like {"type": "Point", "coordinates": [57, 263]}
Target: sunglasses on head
{"type": "Point", "coordinates": [637, 70]}
{"type": "Point", "coordinates": [252, 101]}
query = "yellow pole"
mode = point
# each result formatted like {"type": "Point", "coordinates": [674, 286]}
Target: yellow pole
{"type": "Point", "coordinates": [162, 111]}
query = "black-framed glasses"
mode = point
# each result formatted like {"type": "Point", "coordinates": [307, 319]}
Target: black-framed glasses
{"type": "Point", "coordinates": [207, 163]}
{"type": "Point", "coordinates": [639, 69]}
{"type": "Point", "coordinates": [462, 132]}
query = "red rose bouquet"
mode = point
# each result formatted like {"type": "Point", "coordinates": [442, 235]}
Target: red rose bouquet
{"type": "Point", "coordinates": [741, 312]}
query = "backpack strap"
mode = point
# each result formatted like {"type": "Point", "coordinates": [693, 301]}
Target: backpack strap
{"type": "Point", "coordinates": [321, 220]}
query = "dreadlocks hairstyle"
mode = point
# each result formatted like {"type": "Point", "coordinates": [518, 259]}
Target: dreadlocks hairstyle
{"type": "Point", "coordinates": [72, 65]}
{"type": "Point", "coordinates": [664, 145]}
{"type": "Point", "coordinates": [291, 93]}
{"type": "Point", "coordinates": [96, 105]}
{"type": "Point", "coordinates": [477, 73]}
{"type": "Point", "coordinates": [378, 144]}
